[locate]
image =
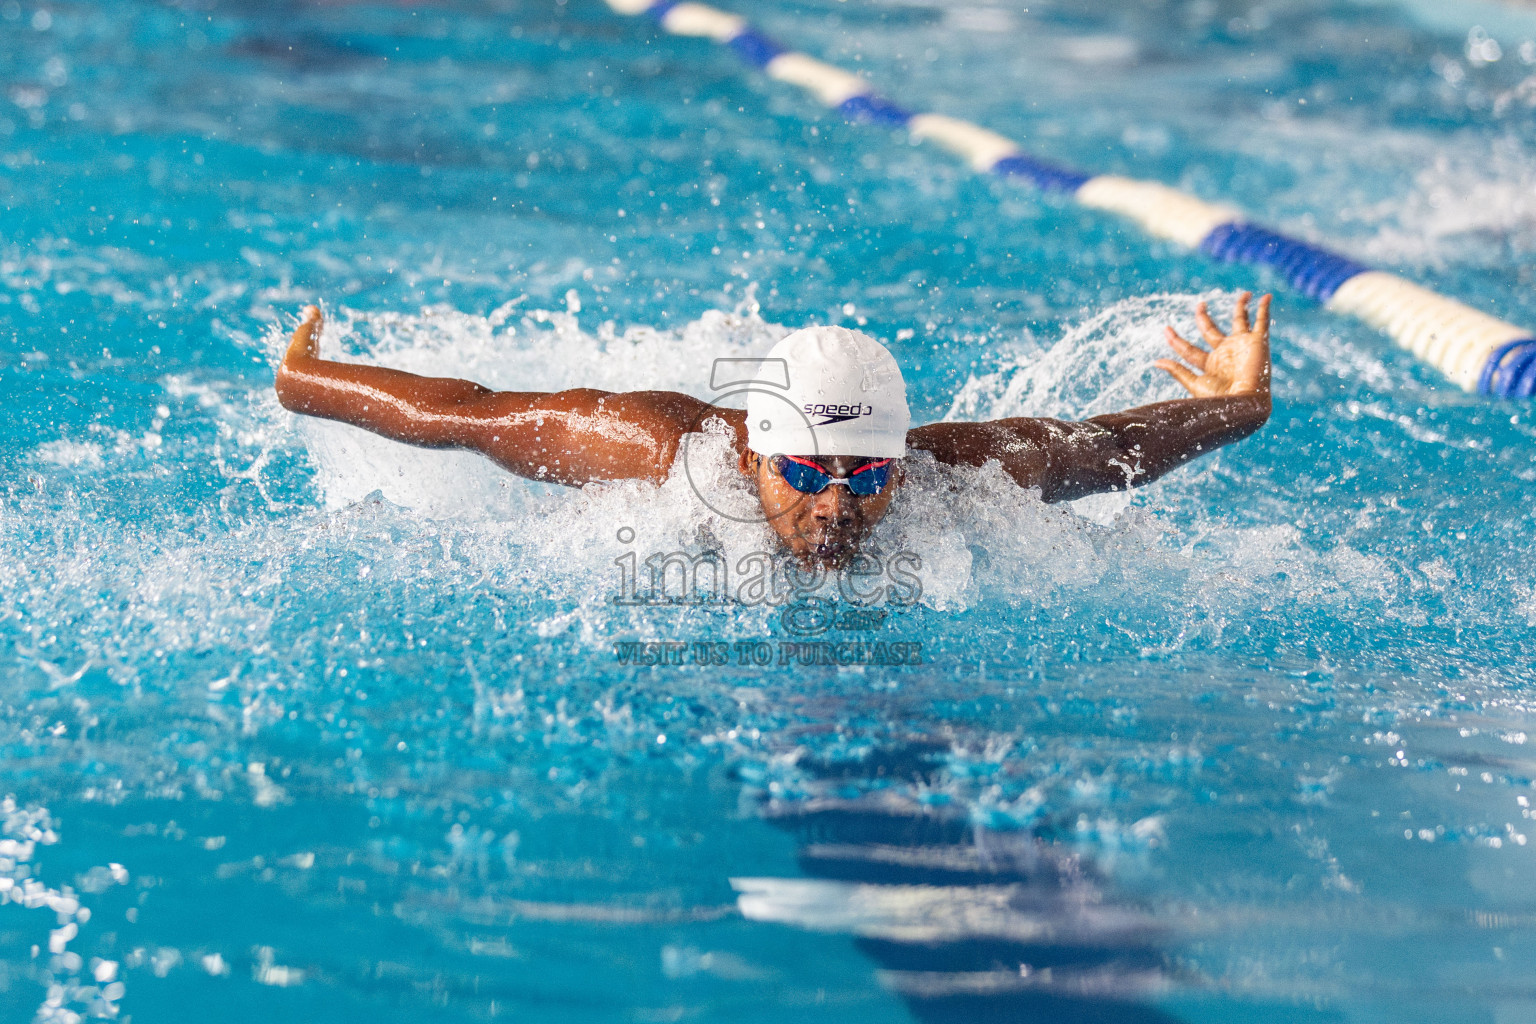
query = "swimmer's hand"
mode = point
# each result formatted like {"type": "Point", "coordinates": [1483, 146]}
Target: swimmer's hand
{"type": "Point", "coordinates": [1237, 363]}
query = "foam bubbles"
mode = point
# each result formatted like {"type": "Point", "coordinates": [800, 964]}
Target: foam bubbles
{"type": "Point", "coordinates": [948, 516]}
{"type": "Point", "coordinates": [981, 540]}
{"type": "Point", "coordinates": [1470, 205]}
{"type": "Point", "coordinates": [84, 454]}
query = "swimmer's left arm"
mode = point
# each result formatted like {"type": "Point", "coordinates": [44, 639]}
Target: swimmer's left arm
{"type": "Point", "coordinates": [1229, 388]}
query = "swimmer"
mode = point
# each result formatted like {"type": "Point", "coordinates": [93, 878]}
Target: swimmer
{"type": "Point", "coordinates": [824, 453]}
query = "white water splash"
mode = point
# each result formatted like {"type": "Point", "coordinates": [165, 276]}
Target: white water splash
{"type": "Point", "coordinates": [1466, 206]}
{"type": "Point", "coordinates": [75, 990]}
{"type": "Point", "coordinates": [979, 536]}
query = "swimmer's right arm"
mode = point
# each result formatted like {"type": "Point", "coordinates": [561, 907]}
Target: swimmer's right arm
{"type": "Point", "coordinates": [569, 437]}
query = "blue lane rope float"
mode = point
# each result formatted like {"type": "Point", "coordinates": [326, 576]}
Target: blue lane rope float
{"type": "Point", "coordinates": [1479, 352]}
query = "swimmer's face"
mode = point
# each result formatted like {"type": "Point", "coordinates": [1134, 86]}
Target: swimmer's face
{"type": "Point", "coordinates": [825, 528]}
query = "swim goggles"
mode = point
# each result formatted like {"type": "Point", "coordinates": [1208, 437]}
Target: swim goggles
{"type": "Point", "coordinates": [807, 477]}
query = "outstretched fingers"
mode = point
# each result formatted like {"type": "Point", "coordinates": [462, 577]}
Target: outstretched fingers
{"type": "Point", "coordinates": [1261, 321]}
{"type": "Point", "coordinates": [1192, 354]}
{"type": "Point", "coordinates": [1179, 372]}
{"type": "Point", "coordinates": [1212, 334]}
{"type": "Point", "coordinates": [1240, 324]}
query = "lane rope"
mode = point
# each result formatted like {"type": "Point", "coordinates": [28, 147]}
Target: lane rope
{"type": "Point", "coordinates": [1477, 351]}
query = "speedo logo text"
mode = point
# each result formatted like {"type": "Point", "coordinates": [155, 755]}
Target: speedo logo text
{"type": "Point", "coordinates": [838, 413]}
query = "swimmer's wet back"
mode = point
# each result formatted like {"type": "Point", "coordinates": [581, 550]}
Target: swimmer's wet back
{"type": "Point", "coordinates": [301, 721]}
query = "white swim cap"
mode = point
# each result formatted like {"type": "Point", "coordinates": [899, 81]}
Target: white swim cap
{"type": "Point", "coordinates": [845, 397]}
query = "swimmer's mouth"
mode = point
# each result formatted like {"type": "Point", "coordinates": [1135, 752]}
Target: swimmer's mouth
{"type": "Point", "coordinates": [834, 552]}
{"type": "Point", "coordinates": [832, 548]}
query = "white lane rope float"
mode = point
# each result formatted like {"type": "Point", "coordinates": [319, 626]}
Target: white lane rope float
{"type": "Point", "coordinates": [1479, 352]}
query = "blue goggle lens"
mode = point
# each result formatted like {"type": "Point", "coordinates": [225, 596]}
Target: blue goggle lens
{"type": "Point", "coordinates": [809, 478]}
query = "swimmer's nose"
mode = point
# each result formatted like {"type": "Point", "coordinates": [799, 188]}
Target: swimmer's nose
{"type": "Point", "coordinates": [836, 508]}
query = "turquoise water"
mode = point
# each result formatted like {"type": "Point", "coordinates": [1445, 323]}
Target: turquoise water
{"type": "Point", "coordinates": [299, 724]}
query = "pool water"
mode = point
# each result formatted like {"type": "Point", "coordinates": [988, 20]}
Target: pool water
{"type": "Point", "coordinates": [301, 724]}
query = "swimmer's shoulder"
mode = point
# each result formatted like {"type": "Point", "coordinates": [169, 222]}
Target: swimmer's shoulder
{"type": "Point", "coordinates": [668, 416]}
{"type": "Point", "coordinates": [1021, 445]}
{"type": "Point", "coordinates": [972, 444]}
{"type": "Point", "coordinates": [672, 412]}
